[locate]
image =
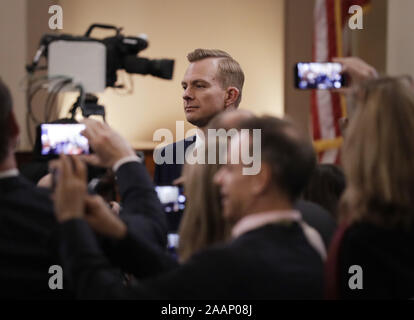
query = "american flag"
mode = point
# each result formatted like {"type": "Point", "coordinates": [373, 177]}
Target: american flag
{"type": "Point", "coordinates": [331, 39]}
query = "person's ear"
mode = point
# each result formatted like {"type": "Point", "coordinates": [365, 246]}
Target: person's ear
{"type": "Point", "coordinates": [262, 180]}
{"type": "Point", "coordinates": [343, 125]}
{"type": "Point", "coordinates": [14, 127]}
{"type": "Point", "coordinates": [232, 93]}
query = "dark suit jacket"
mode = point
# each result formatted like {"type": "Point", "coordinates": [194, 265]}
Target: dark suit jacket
{"type": "Point", "coordinates": [386, 256]}
{"type": "Point", "coordinates": [145, 218]}
{"type": "Point", "coordinates": [165, 174]}
{"type": "Point", "coordinates": [142, 209]}
{"type": "Point", "coordinates": [318, 218]}
{"type": "Point", "coordinates": [271, 262]}
{"type": "Point", "coordinates": [27, 223]}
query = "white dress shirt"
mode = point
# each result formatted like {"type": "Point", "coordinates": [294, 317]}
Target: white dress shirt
{"type": "Point", "coordinates": [9, 173]}
{"type": "Point", "coordinates": [257, 220]}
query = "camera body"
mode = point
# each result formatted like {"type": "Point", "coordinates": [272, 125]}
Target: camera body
{"type": "Point", "coordinates": [74, 56]}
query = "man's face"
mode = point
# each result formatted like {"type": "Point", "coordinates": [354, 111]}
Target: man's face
{"type": "Point", "coordinates": [235, 188]}
{"type": "Point", "coordinates": [203, 96]}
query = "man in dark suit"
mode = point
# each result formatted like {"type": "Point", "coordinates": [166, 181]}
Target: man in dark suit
{"type": "Point", "coordinates": [273, 254]}
{"type": "Point", "coordinates": [26, 222]}
{"type": "Point", "coordinates": [312, 213]}
{"type": "Point", "coordinates": [212, 83]}
{"type": "Point", "coordinates": [169, 173]}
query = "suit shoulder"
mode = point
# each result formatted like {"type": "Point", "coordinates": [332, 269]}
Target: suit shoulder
{"type": "Point", "coordinates": [21, 191]}
{"type": "Point", "coordinates": [187, 141]}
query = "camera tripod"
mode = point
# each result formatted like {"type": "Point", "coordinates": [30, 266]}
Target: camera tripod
{"type": "Point", "coordinates": [89, 107]}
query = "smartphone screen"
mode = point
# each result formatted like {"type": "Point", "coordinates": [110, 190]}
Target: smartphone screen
{"type": "Point", "coordinates": [63, 139]}
{"type": "Point", "coordinates": [173, 200]}
{"type": "Point", "coordinates": [172, 244]}
{"type": "Point", "coordinates": [319, 75]}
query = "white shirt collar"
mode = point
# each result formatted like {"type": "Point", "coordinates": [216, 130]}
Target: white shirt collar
{"type": "Point", "coordinates": [9, 173]}
{"type": "Point", "coordinates": [257, 220]}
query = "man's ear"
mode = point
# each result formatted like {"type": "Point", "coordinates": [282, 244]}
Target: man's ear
{"type": "Point", "coordinates": [232, 93]}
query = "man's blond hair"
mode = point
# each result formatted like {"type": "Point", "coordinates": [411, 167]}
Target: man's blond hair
{"type": "Point", "coordinates": [230, 73]}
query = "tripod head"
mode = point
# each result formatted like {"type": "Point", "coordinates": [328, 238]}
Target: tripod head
{"type": "Point", "coordinates": [89, 106]}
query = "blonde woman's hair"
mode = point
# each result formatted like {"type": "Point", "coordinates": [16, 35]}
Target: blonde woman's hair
{"type": "Point", "coordinates": [203, 224]}
{"type": "Point", "coordinates": [378, 156]}
{"type": "Point", "coordinates": [229, 71]}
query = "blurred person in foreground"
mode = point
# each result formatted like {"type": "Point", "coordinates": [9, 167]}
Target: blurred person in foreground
{"type": "Point", "coordinates": [203, 223]}
{"type": "Point", "coordinates": [272, 254]}
{"type": "Point", "coordinates": [377, 208]}
{"type": "Point", "coordinates": [312, 213]}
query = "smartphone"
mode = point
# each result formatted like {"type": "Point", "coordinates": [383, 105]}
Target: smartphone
{"type": "Point", "coordinates": [172, 198]}
{"type": "Point", "coordinates": [173, 201]}
{"type": "Point", "coordinates": [172, 244]}
{"type": "Point", "coordinates": [319, 75]}
{"type": "Point", "coordinates": [60, 138]}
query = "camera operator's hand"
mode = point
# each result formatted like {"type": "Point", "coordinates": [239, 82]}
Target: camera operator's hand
{"type": "Point", "coordinates": [102, 220]}
{"type": "Point", "coordinates": [69, 195]}
{"type": "Point", "coordinates": [357, 69]}
{"type": "Point", "coordinates": [109, 146]}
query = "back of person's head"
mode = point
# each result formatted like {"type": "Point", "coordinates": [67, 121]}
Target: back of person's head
{"type": "Point", "coordinates": [378, 156]}
{"type": "Point", "coordinates": [288, 153]}
{"type": "Point", "coordinates": [325, 187]}
{"type": "Point", "coordinates": [230, 119]}
{"type": "Point", "coordinates": [5, 109]}
{"type": "Point", "coordinates": [203, 224]}
{"type": "Point", "coordinates": [229, 71]}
